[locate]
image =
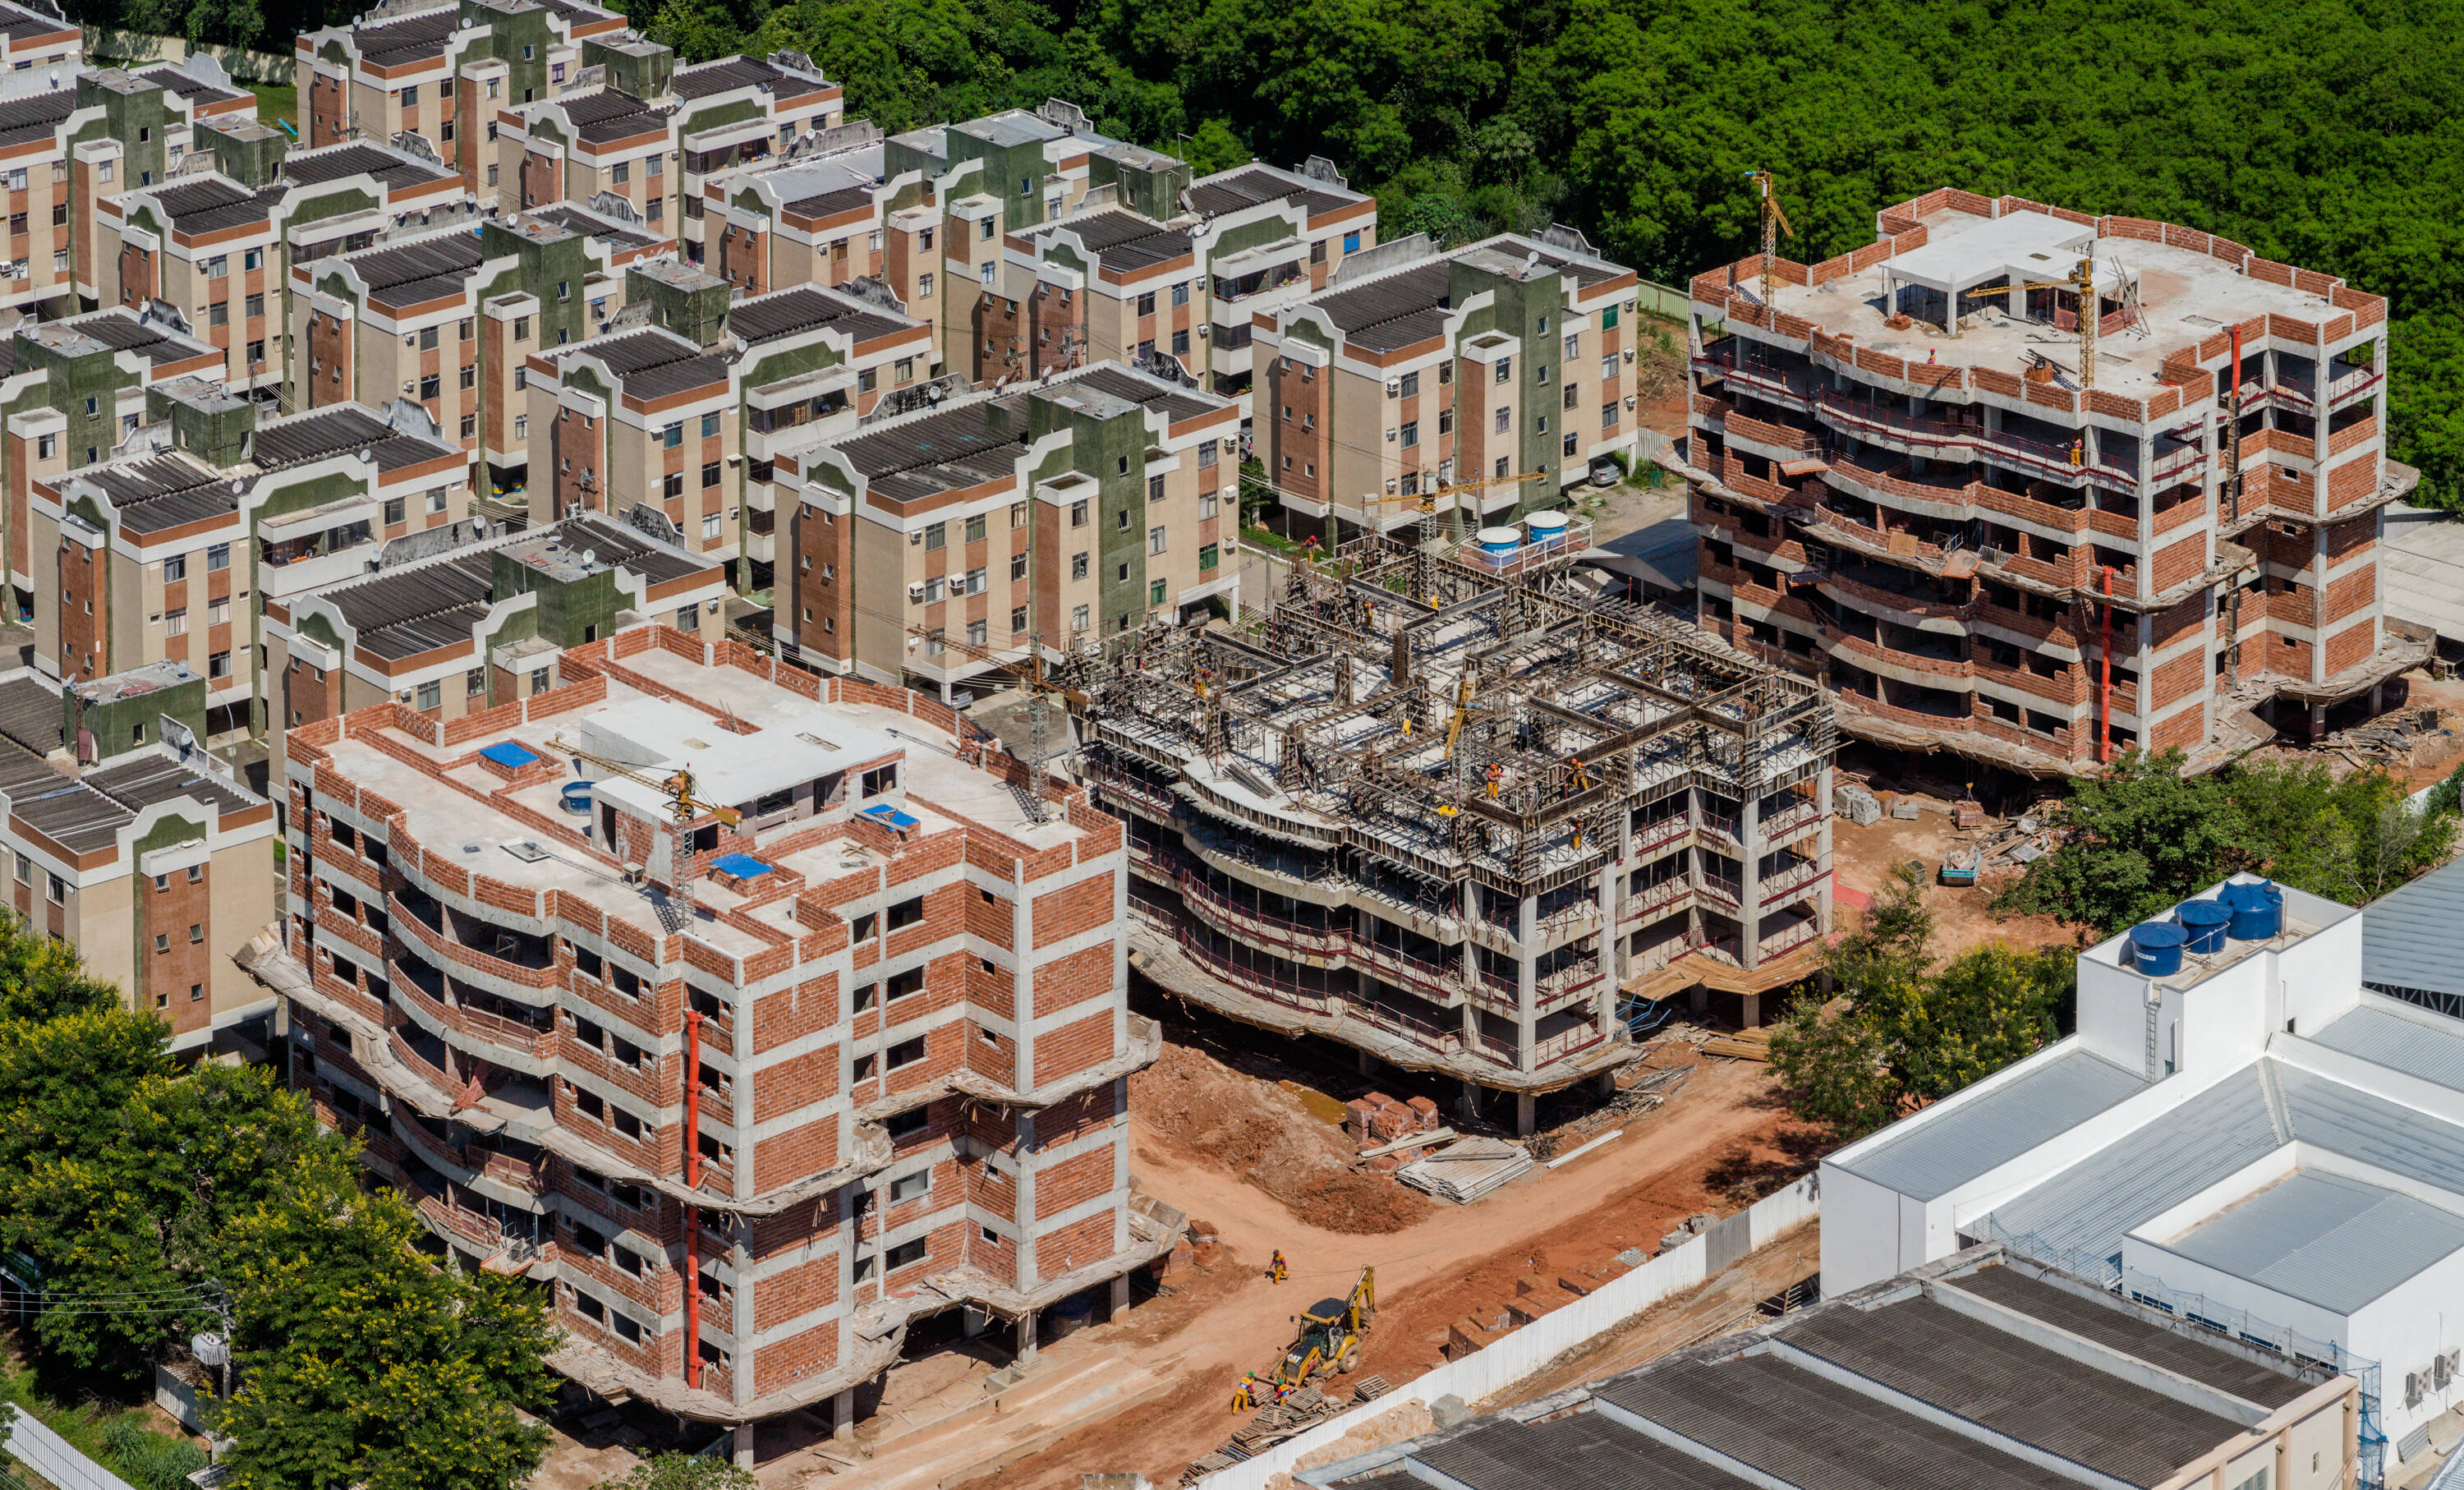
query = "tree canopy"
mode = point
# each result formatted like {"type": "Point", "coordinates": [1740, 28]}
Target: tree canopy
{"type": "Point", "coordinates": [2141, 836]}
{"type": "Point", "coordinates": [1908, 1031]}
{"type": "Point", "coordinates": [161, 1200]}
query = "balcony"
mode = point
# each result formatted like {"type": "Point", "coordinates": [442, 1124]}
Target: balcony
{"type": "Point", "coordinates": [1913, 434]}
{"type": "Point", "coordinates": [1791, 389]}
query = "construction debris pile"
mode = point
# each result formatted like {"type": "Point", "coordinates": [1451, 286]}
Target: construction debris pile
{"type": "Point", "coordinates": [1394, 1133]}
{"type": "Point", "coordinates": [1467, 1168]}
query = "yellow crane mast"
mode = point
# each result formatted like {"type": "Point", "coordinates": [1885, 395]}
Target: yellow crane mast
{"type": "Point", "coordinates": [1774, 222]}
{"type": "Point", "coordinates": [683, 806]}
{"type": "Point", "coordinates": [2083, 280]}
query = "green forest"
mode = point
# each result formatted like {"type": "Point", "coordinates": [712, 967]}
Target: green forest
{"type": "Point", "coordinates": [2329, 133]}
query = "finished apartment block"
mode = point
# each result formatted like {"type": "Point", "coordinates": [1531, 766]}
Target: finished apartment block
{"type": "Point", "coordinates": [938, 548]}
{"type": "Point", "coordinates": [1440, 808]}
{"type": "Point", "coordinates": [1460, 384]}
{"type": "Point", "coordinates": [754, 1101]}
{"type": "Point", "coordinates": [476, 621]}
{"type": "Point", "coordinates": [124, 836]}
{"type": "Point", "coordinates": [1912, 484]}
{"type": "Point", "coordinates": [173, 553]}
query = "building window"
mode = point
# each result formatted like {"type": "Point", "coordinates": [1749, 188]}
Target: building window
{"type": "Point", "coordinates": [1205, 504]}
{"type": "Point", "coordinates": [175, 623]}
{"type": "Point", "coordinates": [976, 633]}
{"type": "Point", "coordinates": [1078, 618]}
{"type": "Point", "coordinates": [1504, 369]}
{"type": "Point", "coordinates": [1017, 567]}
{"type": "Point", "coordinates": [710, 475]}
{"type": "Point", "coordinates": [904, 1255]}
{"type": "Point", "coordinates": [431, 695]}
{"type": "Point", "coordinates": [1077, 566]}
{"type": "Point", "coordinates": [1018, 619]}
{"type": "Point", "coordinates": [1208, 556]}
{"type": "Point", "coordinates": [1154, 540]}
{"type": "Point", "coordinates": [396, 509]}
{"type": "Point", "coordinates": [976, 529]}
{"type": "Point", "coordinates": [1077, 512]}
{"type": "Point", "coordinates": [1155, 593]}
{"type": "Point", "coordinates": [217, 558]}
{"type": "Point", "coordinates": [1503, 418]}
{"type": "Point", "coordinates": [1155, 488]}
{"type": "Point", "coordinates": [219, 665]}
{"type": "Point", "coordinates": [709, 425]}
{"type": "Point", "coordinates": [1351, 243]}
{"type": "Point", "coordinates": [924, 287]}
{"type": "Point", "coordinates": [1411, 434]}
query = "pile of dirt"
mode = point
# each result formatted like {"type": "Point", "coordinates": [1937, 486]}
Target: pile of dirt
{"type": "Point", "coordinates": [1264, 1134]}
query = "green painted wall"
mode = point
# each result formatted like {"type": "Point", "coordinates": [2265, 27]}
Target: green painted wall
{"type": "Point", "coordinates": [540, 267]}
{"type": "Point", "coordinates": [83, 388]}
{"type": "Point", "coordinates": [1098, 446]}
{"type": "Point", "coordinates": [123, 724]}
{"type": "Point", "coordinates": [216, 432]}
{"type": "Point", "coordinates": [644, 75]}
{"type": "Point", "coordinates": [697, 312]}
{"type": "Point", "coordinates": [137, 120]}
{"type": "Point", "coordinates": [247, 153]}
{"type": "Point", "coordinates": [569, 612]}
{"type": "Point", "coordinates": [512, 31]}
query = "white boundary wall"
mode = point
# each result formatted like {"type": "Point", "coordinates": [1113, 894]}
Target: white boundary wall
{"type": "Point", "coordinates": [51, 1456]}
{"type": "Point", "coordinates": [1524, 1352]}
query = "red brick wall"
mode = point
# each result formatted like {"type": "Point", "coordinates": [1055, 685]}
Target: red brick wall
{"type": "Point", "coordinates": [329, 344]}
{"type": "Point", "coordinates": [167, 914]}
{"type": "Point", "coordinates": [84, 613]}
{"type": "Point", "coordinates": [1072, 909]}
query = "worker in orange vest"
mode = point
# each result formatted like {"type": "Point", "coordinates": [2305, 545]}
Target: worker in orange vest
{"type": "Point", "coordinates": [1279, 1270]}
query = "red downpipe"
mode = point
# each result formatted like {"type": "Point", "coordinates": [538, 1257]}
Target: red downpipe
{"type": "Point", "coordinates": [2104, 683]}
{"type": "Point", "coordinates": [692, 1214]}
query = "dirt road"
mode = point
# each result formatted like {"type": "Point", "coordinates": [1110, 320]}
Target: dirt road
{"type": "Point", "coordinates": [1722, 1134]}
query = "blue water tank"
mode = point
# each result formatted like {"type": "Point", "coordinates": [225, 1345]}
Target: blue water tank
{"type": "Point", "coordinates": [2257, 911]}
{"type": "Point", "coordinates": [575, 796]}
{"type": "Point", "coordinates": [2156, 947]}
{"type": "Point", "coordinates": [2204, 920]}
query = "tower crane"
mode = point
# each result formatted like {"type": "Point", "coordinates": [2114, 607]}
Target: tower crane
{"type": "Point", "coordinates": [1774, 222]}
{"type": "Point", "coordinates": [683, 806]}
{"type": "Point", "coordinates": [1041, 690]}
{"type": "Point", "coordinates": [2083, 280]}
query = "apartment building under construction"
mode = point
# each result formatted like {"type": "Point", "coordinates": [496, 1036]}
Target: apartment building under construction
{"type": "Point", "coordinates": [1916, 480]}
{"type": "Point", "coordinates": [849, 1055]}
{"type": "Point", "coordinates": [1441, 806]}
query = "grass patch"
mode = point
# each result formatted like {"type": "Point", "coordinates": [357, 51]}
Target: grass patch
{"type": "Point", "coordinates": [121, 1439]}
{"type": "Point", "coordinates": [1261, 537]}
{"type": "Point", "coordinates": [277, 101]}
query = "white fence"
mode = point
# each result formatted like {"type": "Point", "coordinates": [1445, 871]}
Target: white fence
{"type": "Point", "coordinates": [49, 1455]}
{"type": "Point", "coordinates": [1524, 1352]}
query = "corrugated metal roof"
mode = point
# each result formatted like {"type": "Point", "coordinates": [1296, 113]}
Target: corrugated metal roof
{"type": "Point", "coordinates": [2118, 1326]}
{"type": "Point", "coordinates": [2428, 1046]}
{"type": "Point", "coordinates": [2325, 1239]}
{"type": "Point", "coordinates": [1810, 1430]}
{"type": "Point", "coordinates": [2086, 1208]}
{"type": "Point", "coordinates": [2015, 1387]}
{"type": "Point", "coordinates": [2053, 1097]}
{"type": "Point", "coordinates": [2410, 937]}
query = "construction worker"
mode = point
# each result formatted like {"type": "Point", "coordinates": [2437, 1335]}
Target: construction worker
{"type": "Point", "coordinates": [1581, 777]}
{"type": "Point", "coordinates": [1309, 550]}
{"type": "Point", "coordinates": [1278, 1270]}
{"type": "Point", "coordinates": [1244, 1397]}
{"type": "Point", "coordinates": [2079, 452]}
{"type": "Point", "coordinates": [1496, 775]}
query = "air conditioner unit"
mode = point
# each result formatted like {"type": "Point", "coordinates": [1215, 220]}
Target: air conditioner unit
{"type": "Point", "coordinates": [915, 538]}
{"type": "Point", "coordinates": [1629, 400]}
{"type": "Point", "coordinates": [1394, 389]}
{"type": "Point", "coordinates": [1629, 354]}
{"type": "Point", "coordinates": [1390, 436]}
{"type": "Point", "coordinates": [915, 593]}
{"type": "Point", "coordinates": [1389, 487]}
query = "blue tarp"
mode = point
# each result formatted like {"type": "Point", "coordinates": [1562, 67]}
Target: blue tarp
{"type": "Point", "coordinates": [743, 866]}
{"type": "Point", "coordinates": [507, 753]}
{"type": "Point", "coordinates": [885, 813]}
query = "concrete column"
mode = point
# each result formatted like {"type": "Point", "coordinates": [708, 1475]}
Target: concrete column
{"type": "Point", "coordinates": [1525, 994]}
{"type": "Point", "coordinates": [1468, 1103]}
{"type": "Point", "coordinates": [1527, 1113]}
{"type": "Point", "coordinates": [1366, 1062]}
{"type": "Point", "coordinates": [744, 1445]}
{"type": "Point", "coordinates": [843, 1417]}
{"type": "Point", "coordinates": [2318, 722]}
{"type": "Point", "coordinates": [1608, 1083]}
{"type": "Point", "coordinates": [1026, 1341]}
{"type": "Point", "coordinates": [1749, 878]}
{"type": "Point", "coordinates": [1823, 845]}
{"type": "Point", "coordinates": [1119, 1304]}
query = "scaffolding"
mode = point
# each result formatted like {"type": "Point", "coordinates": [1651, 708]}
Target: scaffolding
{"type": "Point", "coordinates": [1474, 751]}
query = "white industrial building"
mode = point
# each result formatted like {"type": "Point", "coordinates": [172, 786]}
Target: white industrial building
{"type": "Point", "coordinates": [2251, 1140]}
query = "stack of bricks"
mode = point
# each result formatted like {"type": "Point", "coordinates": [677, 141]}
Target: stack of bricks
{"type": "Point", "coordinates": [1375, 1120]}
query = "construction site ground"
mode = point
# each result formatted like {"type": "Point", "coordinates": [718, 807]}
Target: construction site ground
{"type": "Point", "coordinates": [1213, 1125]}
